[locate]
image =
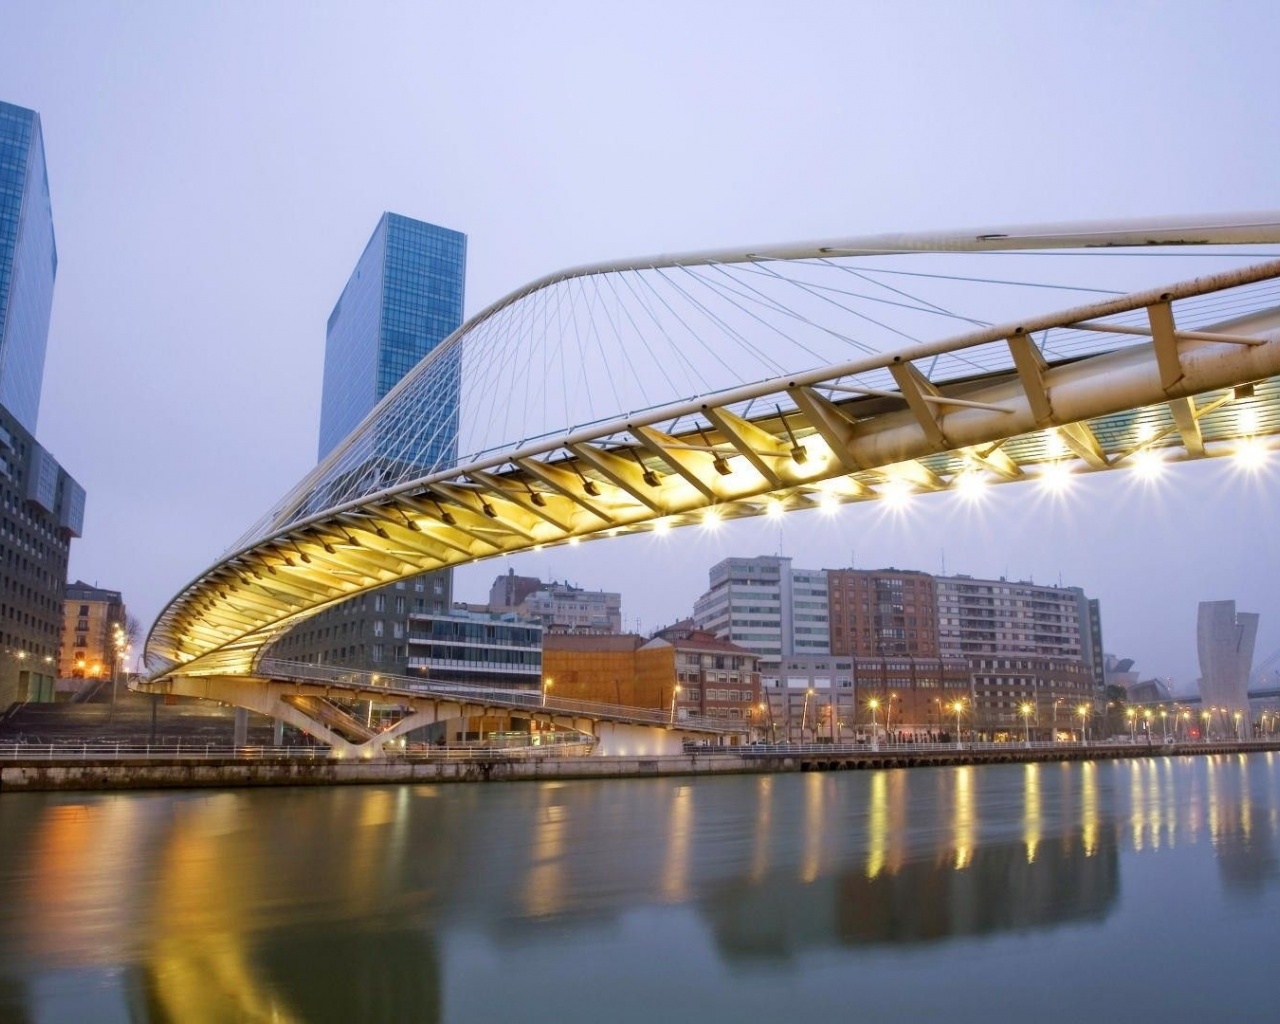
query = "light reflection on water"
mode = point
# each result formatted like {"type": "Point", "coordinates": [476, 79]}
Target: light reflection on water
{"type": "Point", "coordinates": [625, 900]}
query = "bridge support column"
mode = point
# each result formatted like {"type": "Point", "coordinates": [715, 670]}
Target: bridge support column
{"type": "Point", "coordinates": [240, 730]}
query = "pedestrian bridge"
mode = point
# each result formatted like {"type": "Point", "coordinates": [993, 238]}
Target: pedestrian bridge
{"type": "Point", "coordinates": [674, 391]}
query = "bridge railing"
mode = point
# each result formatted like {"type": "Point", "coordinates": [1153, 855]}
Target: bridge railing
{"type": "Point", "coordinates": [531, 700]}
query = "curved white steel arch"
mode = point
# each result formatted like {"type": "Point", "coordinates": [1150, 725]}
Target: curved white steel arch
{"type": "Point", "coordinates": [740, 452]}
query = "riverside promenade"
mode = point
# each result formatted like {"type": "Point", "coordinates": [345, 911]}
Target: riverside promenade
{"type": "Point", "coordinates": [43, 768]}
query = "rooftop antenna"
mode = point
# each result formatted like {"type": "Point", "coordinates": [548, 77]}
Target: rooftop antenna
{"type": "Point", "coordinates": [944, 562]}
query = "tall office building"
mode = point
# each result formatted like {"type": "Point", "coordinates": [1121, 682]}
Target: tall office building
{"type": "Point", "coordinates": [41, 507]}
{"type": "Point", "coordinates": [1224, 641]}
{"type": "Point", "coordinates": [404, 297]}
{"type": "Point", "coordinates": [28, 263]}
{"type": "Point", "coordinates": [766, 606]}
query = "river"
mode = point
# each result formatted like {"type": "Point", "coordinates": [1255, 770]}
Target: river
{"type": "Point", "coordinates": [1144, 889]}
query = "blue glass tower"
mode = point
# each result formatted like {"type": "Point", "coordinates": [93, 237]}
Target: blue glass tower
{"type": "Point", "coordinates": [28, 262]}
{"type": "Point", "coordinates": [44, 506]}
{"type": "Point", "coordinates": [404, 298]}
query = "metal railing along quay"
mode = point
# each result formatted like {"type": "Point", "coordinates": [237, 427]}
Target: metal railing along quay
{"type": "Point", "coordinates": [64, 752]}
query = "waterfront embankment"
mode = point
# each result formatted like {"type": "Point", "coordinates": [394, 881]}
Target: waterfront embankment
{"type": "Point", "coordinates": [51, 770]}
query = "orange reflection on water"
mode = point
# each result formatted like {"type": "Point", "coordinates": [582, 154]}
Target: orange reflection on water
{"type": "Point", "coordinates": [675, 870]}
{"type": "Point", "coordinates": [814, 827]}
{"type": "Point", "coordinates": [1032, 813]}
{"type": "Point", "coordinates": [964, 819]}
{"type": "Point", "coordinates": [764, 824]}
{"type": "Point", "coordinates": [878, 824]}
{"type": "Point", "coordinates": [1089, 807]}
{"type": "Point", "coordinates": [543, 892]}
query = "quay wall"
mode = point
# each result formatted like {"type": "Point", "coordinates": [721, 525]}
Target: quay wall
{"type": "Point", "coordinates": [71, 774]}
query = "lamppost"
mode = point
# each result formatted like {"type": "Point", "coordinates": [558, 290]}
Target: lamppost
{"type": "Point", "coordinates": [874, 705]}
{"type": "Point", "coordinates": [546, 686]}
{"type": "Point", "coordinates": [1083, 712]}
{"type": "Point", "coordinates": [1146, 722]}
{"type": "Point", "coordinates": [118, 642]}
{"type": "Point", "coordinates": [1026, 709]}
{"type": "Point", "coordinates": [1236, 718]}
{"type": "Point", "coordinates": [888, 713]}
{"type": "Point", "coordinates": [1186, 728]}
{"type": "Point", "coordinates": [957, 706]}
{"type": "Point", "coordinates": [804, 711]}
{"type": "Point", "coordinates": [767, 708]}
{"type": "Point", "coordinates": [675, 692]}
{"type": "Point", "coordinates": [1132, 715]}
{"type": "Point", "coordinates": [1204, 719]}
{"type": "Point", "coordinates": [1164, 725]}
{"type": "Point", "coordinates": [1056, 702]}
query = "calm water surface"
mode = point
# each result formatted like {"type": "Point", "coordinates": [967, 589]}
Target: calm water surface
{"type": "Point", "coordinates": [1141, 890]}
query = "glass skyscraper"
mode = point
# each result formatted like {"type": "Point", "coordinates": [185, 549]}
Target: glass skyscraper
{"type": "Point", "coordinates": [41, 506]}
{"type": "Point", "coordinates": [404, 297]}
{"type": "Point", "coordinates": [28, 262]}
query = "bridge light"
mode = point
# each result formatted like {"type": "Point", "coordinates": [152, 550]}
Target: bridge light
{"type": "Point", "coordinates": [661, 527]}
{"type": "Point", "coordinates": [1148, 464]}
{"type": "Point", "coordinates": [970, 485]}
{"type": "Point", "coordinates": [590, 487]}
{"type": "Point", "coordinates": [896, 493]}
{"type": "Point", "coordinates": [828, 502]}
{"type": "Point", "coordinates": [711, 518]}
{"type": "Point", "coordinates": [774, 509]}
{"type": "Point", "coordinates": [800, 455]}
{"type": "Point", "coordinates": [1055, 476]}
{"type": "Point", "coordinates": [574, 541]}
{"type": "Point", "coordinates": [488, 510]}
{"type": "Point", "coordinates": [1250, 454]}
{"type": "Point", "coordinates": [537, 499]}
{"type": "Point", "coordinates": [1054, 446]}
{"type": "Point", "coordinates": [721, 466]}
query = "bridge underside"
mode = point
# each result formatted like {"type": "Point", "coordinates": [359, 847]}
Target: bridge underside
{"type": "Point", "coordinates": [314, 708]}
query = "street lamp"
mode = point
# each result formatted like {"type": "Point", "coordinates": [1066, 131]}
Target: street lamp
{"type": "Point", "coordinates": [546, 686]}
{"type": "Point", "coordinates": [1083, 712]}
{"type": "Point", "coordinates": [1132, 715]}
{"type": "Point", "coordinates": [1026, 710]}
{"type": "Point", "coordinates": [118, 641]}
{"type": "Point", "coordinates": [888, 713]}
{"type": "Point", "coordinates": [1236, 717]}
{"type": "Point", "coordinates": [675, 692]}
{"type": "Point", "coordinates": [804, 711]}
{"type": "Point", "coordinates": [874, 705]}
{"type": "Point", "coordinates": [1164, 725]}
{"type": "Point", "coordinates": [1146, 722]}
{"type": "Point", "coordinates": [957, 706]}
{"type": "Point", "coordinates": [1204, 718]}
{"type": "Point", "coordinates": [1056, 702]}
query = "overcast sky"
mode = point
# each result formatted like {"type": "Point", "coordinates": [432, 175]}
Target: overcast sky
{"type": "Point", "coordinates": [216, 170]}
